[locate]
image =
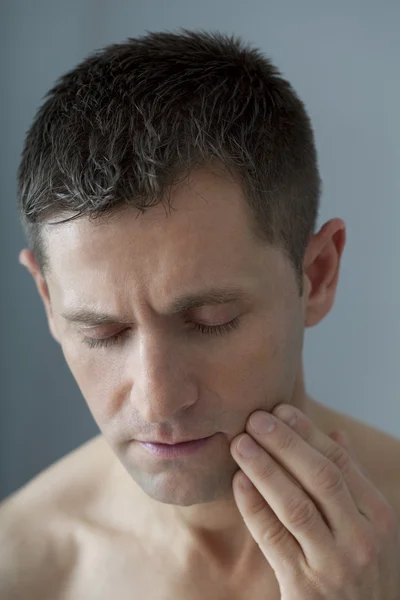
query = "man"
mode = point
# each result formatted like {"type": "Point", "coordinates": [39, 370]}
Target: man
{"type": "Point", "coordinates": [169, 190]}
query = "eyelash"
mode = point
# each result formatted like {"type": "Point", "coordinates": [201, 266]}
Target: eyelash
{"type": "Point", "coordinates": [203, 329]}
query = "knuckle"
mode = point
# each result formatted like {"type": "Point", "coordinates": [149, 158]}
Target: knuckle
{"type": "Point", "coordinates": [306, 429]}
{"type": "Point", "coordinates": [339, 457]}
{"type": "Point", "coordinates": [328, 477]}
{"type": "Point", "coordinates": [257, 509]}
{"type": "Point", "coordinates": [301, 512]}
{"type": "Point", "coordinates": [274, 533]}
{"type": "Point", "coordinates": [266, 471]}
{"type": "Point", "coordinates": [287, 443]}
{"type": "Point", "coordinates": [269, 527]}
{"type": "Point", "coordinates": [365, 551]}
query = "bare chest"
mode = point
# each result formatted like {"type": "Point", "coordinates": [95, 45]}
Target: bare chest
{"type": "Point", "coordinates": [115, 568]}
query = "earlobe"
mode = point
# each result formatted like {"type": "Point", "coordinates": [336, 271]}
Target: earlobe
{"type": "Point", "coordinates": [310, 316]}
{"type": "Point", "coordinates": [315, 313]}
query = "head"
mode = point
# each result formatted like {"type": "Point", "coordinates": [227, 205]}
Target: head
{"type": "Point", "coordinates": [169, 190]}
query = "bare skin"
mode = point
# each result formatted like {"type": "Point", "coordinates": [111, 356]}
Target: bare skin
{"type": "Point", "coordinates": [69, 531]}
{"type": "Point", "coordinates": [108, 520]}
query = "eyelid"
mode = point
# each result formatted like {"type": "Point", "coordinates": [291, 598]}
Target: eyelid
{"type": "Point", "coordinates": [215, 305]}
{"type": "Point", "coordinates": [217, 329]}
{"type": "Point", "coordinates": [106, 330]}
{"type": "Point", "coordinates": [211, 330]}
{"type": "Point", "coordinates": [105, 341]}
{"type": "Point", "coordinates": [205, 313]}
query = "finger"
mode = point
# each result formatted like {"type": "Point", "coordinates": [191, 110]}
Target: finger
{"type": "Point", "coordinates": [277, 544]}
{"type": "Point", "coordinates": [366, 497]}
{"type": "Point", "coordinates": [326, 506]}
{"type": "Point", "coordinates": [342, 438]}
{"type": "Point", "coordinates": [293, 507]}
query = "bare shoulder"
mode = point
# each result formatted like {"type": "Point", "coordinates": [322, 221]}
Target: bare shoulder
{"type": "Point", "coordinates": [30, 557]}
{"type": "Point", "coordinates": [38, 541]}
{"type": "Point", "coordinates": [377, 450]}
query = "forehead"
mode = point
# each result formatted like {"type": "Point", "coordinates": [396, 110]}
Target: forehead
{"type": "Point", "coordinates": [205, 239]}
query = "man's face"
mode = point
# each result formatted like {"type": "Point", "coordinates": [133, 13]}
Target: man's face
{"type": "Point", "coordinates": [167, 371]}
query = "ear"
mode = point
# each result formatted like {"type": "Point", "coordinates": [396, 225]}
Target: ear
{"type": "Point", "coordinates": [27, 259]}
{"type": "Point", "coordinates": [321, 270]}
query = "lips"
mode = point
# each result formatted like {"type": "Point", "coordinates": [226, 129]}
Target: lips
{"type": "Point", "coordinates": [169, 443]}
{"type": "Point", "coordinates": [179, 450]}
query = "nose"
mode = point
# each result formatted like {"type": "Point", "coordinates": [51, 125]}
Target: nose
{"type": "Point", "coordinates": [163, 385]}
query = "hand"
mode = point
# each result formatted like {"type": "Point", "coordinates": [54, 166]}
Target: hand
{"type": "Point", "coordinates": [324, 528]}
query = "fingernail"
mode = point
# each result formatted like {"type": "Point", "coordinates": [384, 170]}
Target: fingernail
{"type": "Point", "coordinates": [247, 447]}
{"type": "Point", "coordinates": [262, 422]}
{"type": "Point", "coordinates": [287, 415]}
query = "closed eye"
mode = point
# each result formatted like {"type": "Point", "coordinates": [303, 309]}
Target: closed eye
{"type": "Point", "coordinates": [217, 329]}
{"type": "Point", "coordinates": [104, 342]}
{"type": "Point", "coordinates": [203, 329]}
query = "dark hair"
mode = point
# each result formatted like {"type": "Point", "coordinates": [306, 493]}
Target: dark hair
{"type": "Point", "coordinates": [134, 117]}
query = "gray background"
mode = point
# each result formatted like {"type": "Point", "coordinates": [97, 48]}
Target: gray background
{"type": "Point", "coordinates": [343, 59]}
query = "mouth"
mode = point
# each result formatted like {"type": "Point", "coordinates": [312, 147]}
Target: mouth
{"type": "Point", "coordinates": [176, 443]}
{"type": "Point", "coordinates": [163, 450]}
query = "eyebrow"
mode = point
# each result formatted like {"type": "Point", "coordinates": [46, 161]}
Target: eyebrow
{"type": "Point", "coordinates": [212, 296]}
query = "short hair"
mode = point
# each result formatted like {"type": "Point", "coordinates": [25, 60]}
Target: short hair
{"type": "Point", "coordinates": [134, 117]}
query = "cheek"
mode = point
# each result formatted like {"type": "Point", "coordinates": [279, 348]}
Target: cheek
{"type": "Point", "coordinates": [262, 365]}
{"type": "Point", "coordinates": [97, 375]}
{"type": "Point", "coordinates": [246, 365]}
{"type": "Point", "coordinates": [289, 355]}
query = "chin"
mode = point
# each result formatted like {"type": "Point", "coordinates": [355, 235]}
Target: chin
{"type": "Point", "coordinates": [186, 489]}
